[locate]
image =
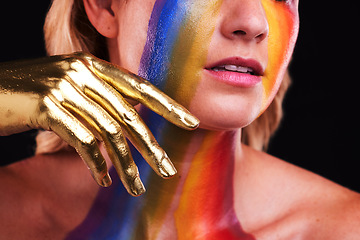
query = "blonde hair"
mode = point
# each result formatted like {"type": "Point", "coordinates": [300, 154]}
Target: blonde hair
{"type": "Point", "coordinates": [67, 29]}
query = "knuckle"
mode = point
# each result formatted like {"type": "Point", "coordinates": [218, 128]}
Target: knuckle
{"type": "Point", "coordinates": [82, 54]}
{"type": "Point", "coordinates": [87, 142]}
{"type": "Point", "coordinates": [172, 108]}
{"type": "Point", "coordinates": [131, 170]}
{"type": "Point", "coordinates": [69, 63]}
{"type": "Point", "coordinates": [143, 87]}
{"type": "Point", "coordinates": [113, 129]}
{"type": "Point", "coordinates": [76, 63]}
{"type": "Point", "coordinates": [69, 60]}
{"type": "Point", "coordinates": [130, 116]}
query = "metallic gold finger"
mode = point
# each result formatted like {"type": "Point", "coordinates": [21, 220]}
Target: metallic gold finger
{"type": "Point", "coordinates": [59, 120]}
{"type": "Point", "coordinates": [110, 131]}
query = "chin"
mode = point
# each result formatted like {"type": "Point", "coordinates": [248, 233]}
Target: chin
{"type": "Point", "coordinates": [228, 114]}
{"type": "Point", "coordinates": [221, 106]}
{"type": "Point", "coordinates": [220, 122]}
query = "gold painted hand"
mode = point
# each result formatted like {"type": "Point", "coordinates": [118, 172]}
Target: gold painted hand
{"type": "Point", "coordinates": [81, 99]}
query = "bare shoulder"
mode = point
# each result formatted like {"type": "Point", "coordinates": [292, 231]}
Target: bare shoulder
{"type": "Point", "coordinates": [44, 196]}
{"type": "Point", "coordinates": [342, 220]}
{"type": "Point", "coordinates": [304, 203]}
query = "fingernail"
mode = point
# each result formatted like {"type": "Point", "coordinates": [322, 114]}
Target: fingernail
{"type": "Point", "coordinates": [106, 181]}
{"type": "Point", "coordinates": [191, 121]}
{"type": "Point", "coordinates": [167, 169]}
{"type": "Point", "coordinates": [137, 187]}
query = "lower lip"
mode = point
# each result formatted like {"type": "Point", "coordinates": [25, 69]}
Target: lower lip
{"type": "Point", "coordinates": [235, 79]}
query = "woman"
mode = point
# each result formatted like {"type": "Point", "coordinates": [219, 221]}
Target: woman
{"type": "Point", "coordinates": [222, 60]}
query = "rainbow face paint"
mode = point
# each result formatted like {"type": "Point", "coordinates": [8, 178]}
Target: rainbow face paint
{"type": "Point", "coordinates": [178, 37]}
{"type": "Point", "coordinates": [198, 203]}
{"type": "Point", "coordinates": [178, 40]}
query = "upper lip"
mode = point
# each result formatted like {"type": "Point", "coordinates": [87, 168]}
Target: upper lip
{"type": "Point", "coordinates": [256, 67]}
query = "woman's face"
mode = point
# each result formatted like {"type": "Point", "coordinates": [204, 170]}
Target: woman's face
{"type": "Point", "coordinates": [222, 59]}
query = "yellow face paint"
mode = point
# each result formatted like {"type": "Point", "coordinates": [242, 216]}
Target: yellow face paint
{"type": "Point", "coordinates": [190, 52]}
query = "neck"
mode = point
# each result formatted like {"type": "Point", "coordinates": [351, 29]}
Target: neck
{"type": "Point", "coordinates": [202, 191]}
{"type": "Point", "coordinates": [192, 152]}
{"type": "Point", "coordinates": [197, 203]}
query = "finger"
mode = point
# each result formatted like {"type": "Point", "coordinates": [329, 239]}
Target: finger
{"type": "Point", "coordinates": [137, 88]}
{"type": "Point", "coordinates": [110, 131]}
{"type": "Point", "coordinates": [135, 129]}
{"type": "Point", "coordinates": [120, 110]}
{"type": "Point", "coordinates": [76, 135]}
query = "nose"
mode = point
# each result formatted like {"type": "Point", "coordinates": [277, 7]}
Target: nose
{"type": "Point", "coordinates": [244, 19]}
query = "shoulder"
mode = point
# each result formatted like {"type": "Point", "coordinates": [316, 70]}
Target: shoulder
{"type": "Point", "coordinates": [304, 203]}
{"type": "Point", "coordinates": [338, 218]}
{"type": "Point", "coordinates": [40, 190]}
{"type": "Point", "coordinates": [278, 171]}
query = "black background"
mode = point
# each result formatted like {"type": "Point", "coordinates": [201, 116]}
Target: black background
{"type": "Point", "coordinates": [320, 129]}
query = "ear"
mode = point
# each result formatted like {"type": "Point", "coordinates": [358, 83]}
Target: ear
{"type": "Point", "coordinates": [102, 17]}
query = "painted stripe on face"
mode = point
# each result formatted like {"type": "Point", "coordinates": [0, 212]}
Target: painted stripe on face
{"type": "Point", "coordinates": [179, 35]}
{"type": "Point", "coordinates": [283, 30]}
{"type": "Point", "coordinates": [163, 30]}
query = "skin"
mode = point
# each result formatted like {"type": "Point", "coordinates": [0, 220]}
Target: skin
{"type": "Point", "coordinates": [223, 189]}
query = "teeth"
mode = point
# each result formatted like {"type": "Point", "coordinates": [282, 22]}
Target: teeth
{"type": "Point", "coordinates": [231, 67]}
{"type": "Point", "coordinates": [244, 69]}
{"type": "Point", "coordinates": [234, 68]}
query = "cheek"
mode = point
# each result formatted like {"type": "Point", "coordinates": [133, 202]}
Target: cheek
{"type": "Point", "coordinates": [178, 37]}
{"type": "Point", "coordinates": [222, 107]}
{"type": "Point", "coordinates": [283, 29]}
{"type": "Point", "coordinates": [133, 19]}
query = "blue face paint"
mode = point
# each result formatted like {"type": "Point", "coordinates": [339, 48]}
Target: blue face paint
{"type": "Point", "coordinates": [163, 30]}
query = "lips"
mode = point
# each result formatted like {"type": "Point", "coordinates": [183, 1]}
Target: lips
{"type": "Point", "coordinates": [236, 71]}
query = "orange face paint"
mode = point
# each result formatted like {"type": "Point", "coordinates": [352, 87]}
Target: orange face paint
{"type": "Point", "coordinates": [283, 23]}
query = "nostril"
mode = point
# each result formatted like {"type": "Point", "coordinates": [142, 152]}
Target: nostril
{"type": "Point", "coordinates": [242, 33]}
{"type": "Point", "coordinates": [260, 37]}
{"type": "Point", "coordinates": [239, 33]}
